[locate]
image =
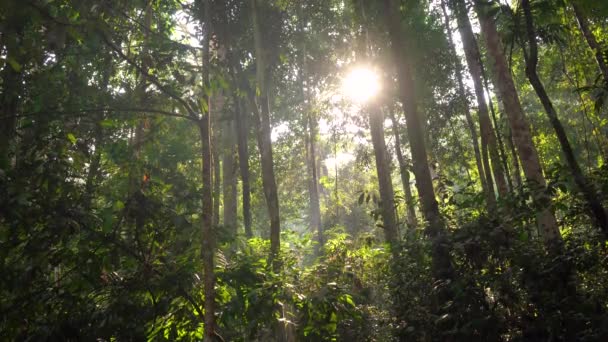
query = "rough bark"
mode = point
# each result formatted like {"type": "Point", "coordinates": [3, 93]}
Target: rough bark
{"type": "Point", "coordinates": [242, 128]}
{"type": "Point", "coordinates": [488, 139]}
{"type": "Point", "coordinates": [264, 130]}
{"type": "Point", "coordinates": [385, 185]}
{"type": "Point", "coordinates": [463, 95]}
{"type": "Point", "coordinates": [404, 172]}
{"type": "Point", "coordinates": [442, 266]}
{"type": "Point", "coordinates": [583, 24]}
{"type": "Point", "coordinates": [590, 194]}
{"type": "Point", "coordinates": [520, 129]}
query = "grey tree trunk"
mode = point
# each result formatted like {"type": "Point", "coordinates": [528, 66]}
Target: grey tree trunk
{"type": "Point", "coordinates": [404, 172]}
{"type": "Point", "coordinates": [242, 128]}
{"type": "Point", "coordinates": [264, 130]}
{"type": "Point", "coordinates": [488, 139]}
{"type": "Point", "coordinates": [229, 176]}
{"type": "Point", "coordinates": [442, 265]}
{"type": "Point", "coordinates": [387, 196]}
{"type": "Point", "coordinates": [520, 129]}
{"type": "Point", "coordinates": [467, 111]}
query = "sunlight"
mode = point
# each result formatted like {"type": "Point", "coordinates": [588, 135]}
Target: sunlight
{"type": "Point", "coordinates": [361, 84]}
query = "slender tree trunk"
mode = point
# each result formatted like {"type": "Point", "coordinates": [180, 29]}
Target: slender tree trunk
{"type": "Point", "coordinates": [11, 88]}
{"type": "Point", "coordinates": [387, 196]}
{"type": "Point", "coordinates": [315, 207]}
{"type": "Point", "coordinates": [442, 265]}
{"type": "Point", "coordinates": [229, 177]}
{"type": "Point", "coordinates": [583, 24]}
{"type": "Point", "coordinates": [467, 111]}
{"type": "Point", "coordinates": [412, 221]}
{"type": "Point", "coordinates": [519, 128]}
{"type": "Point", "coordinates": [488, 138]}
{"type": "Point", "coordinates": [208, 235]}
{"type": "Point", "coordinates": [501, 146]}
{"type": "Point", "coordinates": [264, 131]}
{"type": "Point", "coordinates": [243, 150]}
{"type": "Point", "coordinates": [590, 194]}
{"type": "Point", "coordinates": [216, 165]}
{"type": "Point", "coordinates": [311, 138]}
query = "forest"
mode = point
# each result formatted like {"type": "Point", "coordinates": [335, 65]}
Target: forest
{"type": "Point", "coordinates": [304, 170]}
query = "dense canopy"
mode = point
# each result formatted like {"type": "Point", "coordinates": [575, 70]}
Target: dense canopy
{"type": "Point", "coordinates": [304, 170]}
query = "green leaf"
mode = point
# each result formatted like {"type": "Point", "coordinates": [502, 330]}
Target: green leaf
{"type": "Point", "coordinates": [14, 64]}
{"type": "Point", "coordinates": [71, 137]}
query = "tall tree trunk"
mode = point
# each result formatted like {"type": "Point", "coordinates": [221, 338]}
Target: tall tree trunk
{"type": "Point", "coordinates": [442, 265]}
{"type": "Point", "coordinates": [242, 136]}
{"type": "Point", "coordinates": [311, 138]}
{"type": "Point", "coordinates": [501, 146]}
{"type": "Point", "coordinates": [11, 88]}
{"type": "Point", "coordinates": [264, 131]}
{"type": "Point", "coordinates": [216, 177]}
{"type": "Point", "coordinates": [387, 196]}
{"type": "Point", "coordinates": [467, 112]}
{"type": "Point", "coordinates": [590, 194]}
{"type": "Point", "coordinates": [519, 128]}
{"type": "Point", "coordinates": [229, 176]}
{"type": "Point", "coordinates": [583, 24]}
{"type": "Point", "coordinates": [315, 206]}
{"type": "Point", "coordinates": [208, 234]}
{"type": "Point", "coordinates": [488, 139]}
{"type": "Point", "coordinates": [404, 172]}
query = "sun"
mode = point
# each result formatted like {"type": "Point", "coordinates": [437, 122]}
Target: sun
{"type": "Point", "coordinates": [361, 84]}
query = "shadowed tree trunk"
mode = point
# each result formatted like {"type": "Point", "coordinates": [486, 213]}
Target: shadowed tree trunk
{"type": "Point", "coordinates": [590, 194]}
{"type": "Point", "coordinates": [242, 135]}
{"type": "Point", "coordinates": [488, 139]}
{"type": "Point", "coordinates": [520, 129]}
{"type": "Point", "coordinates": [467, 111]}
{"type": "Point", "coordinates": [264, 129]}
{"type": "Point", "coordinates": [583, 24]}
{"type": "Point", "coordinates": [208, 235]}
{"type": "Point", "coordinates": [442, 265]}
{"type": "Point", "coordinates": [385, 185]}
{"type": "Point", "coordinates": [11, 88]}
{"type": "Point", "coordinates": [404, 172]}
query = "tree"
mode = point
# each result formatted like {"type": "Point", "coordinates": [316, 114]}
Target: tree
{"type": "Point", "coordinates": [598, 213]}
{"type": "Point", "coordinates": [424, 184]}
{"type": "Point", "coordinates": [487, 132]}
{"type": "Point", "coordinates": [519, 127]}
{"type": "Point", "coordinates": [264, 129]}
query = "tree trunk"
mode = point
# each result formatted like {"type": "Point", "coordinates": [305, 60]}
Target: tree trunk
{"type": "Point", "coordinates": [590, 194]}
{"type": "Point", "coordinates": [311, 135]}
{"type": "Point", "coordinates": [442, 265]}
{"type": "Point", "coordinates": [519, 128]}
{"type": "Point", "coordinates": [488, 139]}
{"type": "Point", "coordinates": [229, 177]}
{"type": "Point", "coordinates": [467, 111]}
{"type": "Point", "coordinates": [501, 146]}
{"type": "Point", "coordinates": [217, 174]}
{"type": "Point", "coordinates": [243, 150]}
{"type": "Point", "coordinates": [11, 88]}
{"type": "Point", "coordinates": [264, 132]}
{"type": "Point", "coordinates": [208, 236]}
{"type": "Point", "coordinates": [387, 196]}
{"type": "Point", "coordinates": [412, 221]}
{"type": "Point", "coordinates": [583, 24]}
